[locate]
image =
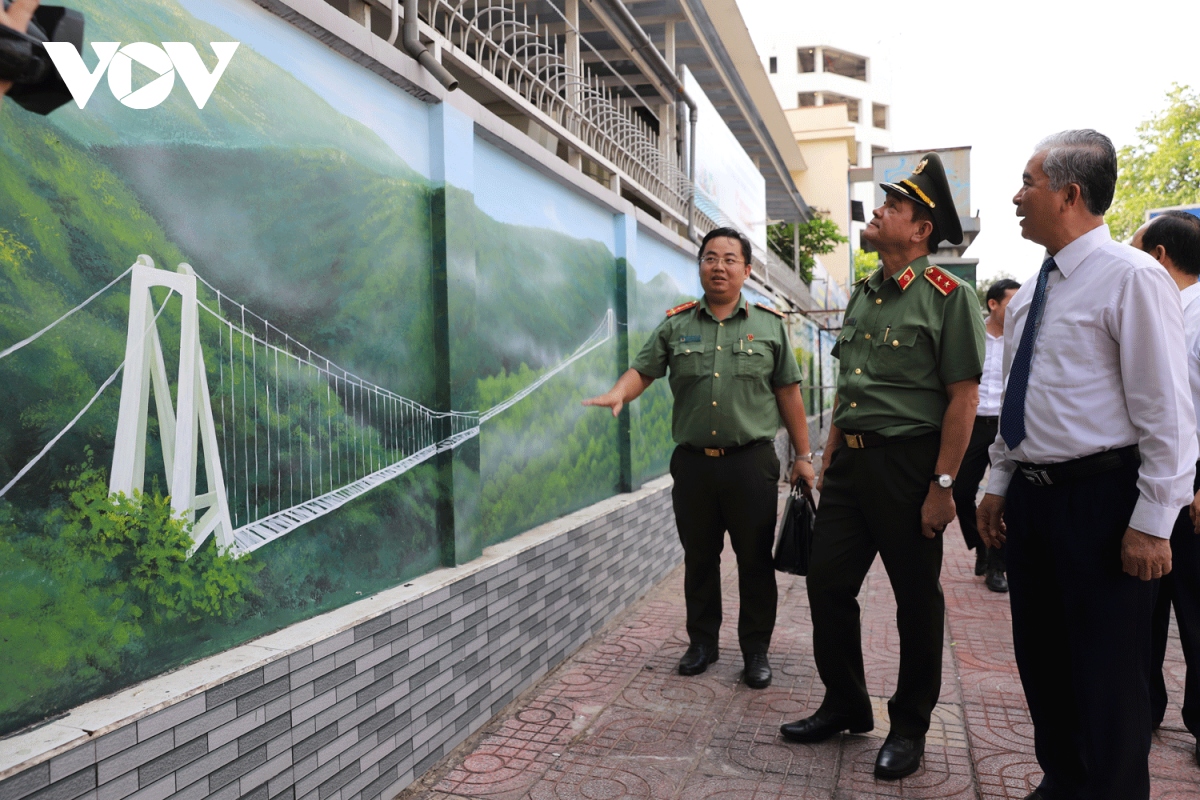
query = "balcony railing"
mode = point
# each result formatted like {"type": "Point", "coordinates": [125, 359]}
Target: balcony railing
{"type": "Point", "coordinates": [523, 54]}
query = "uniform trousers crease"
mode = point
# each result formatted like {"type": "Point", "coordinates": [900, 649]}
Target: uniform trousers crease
{"type": "Point", "coordinates": [736, 493]}
{"type": "Point", "coordinates": [871, 504]}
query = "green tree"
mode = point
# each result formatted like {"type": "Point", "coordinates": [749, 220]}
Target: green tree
{"type": "Point", "coordinates": [818, 237]}
{"type": "Point", "coordinates": [864, 264]}
{"type": "Point", "coordinates": [1162, 168]}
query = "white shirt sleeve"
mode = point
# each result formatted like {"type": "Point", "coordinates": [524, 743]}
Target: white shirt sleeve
{"type": "Point", "coordinates": [1149, 323]}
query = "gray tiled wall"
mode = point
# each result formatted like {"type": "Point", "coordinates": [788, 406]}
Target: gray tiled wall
{"type": "Point", "coordinates": [363, 713]}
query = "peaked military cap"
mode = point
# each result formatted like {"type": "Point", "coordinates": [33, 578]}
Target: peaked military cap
{"type": "Point", "coordinates": [927, 186]}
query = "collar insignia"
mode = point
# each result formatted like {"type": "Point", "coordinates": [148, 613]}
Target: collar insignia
{"type": "Point", "coordinates": [943, 281]}
{"type": "Point", "coordinates": [905, 278]}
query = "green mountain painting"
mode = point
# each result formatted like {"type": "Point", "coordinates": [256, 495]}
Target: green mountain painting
{"type": "Point", "coordinates": [311, 229]}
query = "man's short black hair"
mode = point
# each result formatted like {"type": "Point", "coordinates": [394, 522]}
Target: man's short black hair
{"type": "Point", "coordinates": [1179, 234]}
{"type": "Point", "coordinates": [731, 233]}
{"type": "Point", "coordinates": [999, 288]}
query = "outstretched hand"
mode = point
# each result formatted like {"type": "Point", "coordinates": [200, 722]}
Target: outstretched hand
{"type": "Point", "coordinates": [610, 399]}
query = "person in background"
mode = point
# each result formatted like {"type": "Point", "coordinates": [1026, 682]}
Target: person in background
{"type": "Point", "coordinates": [1096, 455]}
{"type": "Point", "coordinates": [989, 561]}
{"type": "Point", "coordinates": [1174, 240]}
{"type": "Point", "coordinates": [17, 17]}
{"type": "Point", "coordinates": [734, 376]}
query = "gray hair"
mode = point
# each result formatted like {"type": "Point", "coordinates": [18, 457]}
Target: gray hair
{"type": "Point", "coordinates": [1084, 157]}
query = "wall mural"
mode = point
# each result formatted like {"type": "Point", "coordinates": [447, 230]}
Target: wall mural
{"type": "Point", "coordinates": [143, 527]}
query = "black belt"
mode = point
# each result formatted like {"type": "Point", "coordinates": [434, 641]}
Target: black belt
{"type": "Point", "coordinates": [859, 441]}
{"type": "Point", "coordinates": [717, 452]}
{"type": "Point", "coordinates": [1067, 471]}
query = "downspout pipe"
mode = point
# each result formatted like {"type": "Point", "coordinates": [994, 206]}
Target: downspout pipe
{"type": "Point", "coordinates": [642, 45]}
{"type": "Point", "coordinates": [412, 43]}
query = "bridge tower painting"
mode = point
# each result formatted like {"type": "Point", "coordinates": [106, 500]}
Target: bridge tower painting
{"type": "Point", "coordinates": [186, 428]}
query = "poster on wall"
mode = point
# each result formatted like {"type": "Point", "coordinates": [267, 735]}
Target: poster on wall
{"type": "Point", "coordinates": [729, 188]}
{"type": "Point", "coordinates": [219, 361]}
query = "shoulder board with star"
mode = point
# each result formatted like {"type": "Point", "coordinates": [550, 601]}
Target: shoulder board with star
{"type": "Point", "coordinates": [777, 313]}
{"type": "Point", "coordinates": [943, 281]}
{"type": "Point", "coordinates": [682, 307]}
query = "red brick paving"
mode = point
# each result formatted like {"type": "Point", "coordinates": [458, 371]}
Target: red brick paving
{"type": "Point", "coordinates": [616, 721]}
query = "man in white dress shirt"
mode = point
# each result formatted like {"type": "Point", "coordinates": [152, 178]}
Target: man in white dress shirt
{"type": "Point", "coordinates": [1174, 240]}
{"type": "Point", "coordinates": [1095, 457]}
{"type": "Point", "coordinates": [989, 561]}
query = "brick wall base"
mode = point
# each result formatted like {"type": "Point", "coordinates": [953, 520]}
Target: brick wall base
{"type": "Point", "coordinates": [357, 703]}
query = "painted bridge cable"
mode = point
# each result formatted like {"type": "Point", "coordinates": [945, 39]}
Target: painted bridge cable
{"type": "Point", "coordinates": [31, 339]}
{"type": "Point", "coordinates": [50, 444]}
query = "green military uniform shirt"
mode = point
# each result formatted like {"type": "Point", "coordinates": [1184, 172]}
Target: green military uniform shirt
{"type": "Point", "coordinates": [722, 373]}
{"type": "Point", "coordinates": [903, 339]}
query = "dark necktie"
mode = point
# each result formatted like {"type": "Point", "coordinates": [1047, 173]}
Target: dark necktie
{"type": "Point", "coordinates": [1012, 415]}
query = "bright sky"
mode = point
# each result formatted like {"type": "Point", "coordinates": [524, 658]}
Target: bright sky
{"type": "Point", "coordinates": [998, 77]}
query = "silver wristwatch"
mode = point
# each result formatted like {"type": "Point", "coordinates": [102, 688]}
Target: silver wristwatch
{"type": "Point", "coordinates": [944, 481]}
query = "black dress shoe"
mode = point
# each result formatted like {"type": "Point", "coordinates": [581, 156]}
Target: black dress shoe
{"type": "Point", "coordinates": [757, 674]}
{"type": "Point", "coordinates": [980, 560]}
{"type": "Point", "coordinates": [821, 725]}
{"type": "Point", "coordinates": [696, 659]}
{"type": "Point", "coordinates": [900, 756]}
{"type": "Point", "coordinates": [996, 581]}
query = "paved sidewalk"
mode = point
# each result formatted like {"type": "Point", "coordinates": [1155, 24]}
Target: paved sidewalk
{"type": "Point", "coordinates": [615, 720]}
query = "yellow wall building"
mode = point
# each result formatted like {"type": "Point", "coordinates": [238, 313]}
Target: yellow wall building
{"type": "Point", "coordinates": [827, 141]}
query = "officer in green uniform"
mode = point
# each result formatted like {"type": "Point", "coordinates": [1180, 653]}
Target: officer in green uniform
{"type": "Point", "coordinates": [911, 352]}
{"type": "Point", "coordinates": [734, 377]}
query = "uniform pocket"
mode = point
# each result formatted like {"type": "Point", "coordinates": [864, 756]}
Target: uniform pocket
{"type": "Point", "coordinates": [753, 364]}
{"type": "Point", "coordinates": [896, 355]}
{"type": "Point", "coordinates": [688, 359]}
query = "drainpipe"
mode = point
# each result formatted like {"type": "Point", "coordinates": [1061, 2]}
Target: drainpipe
{"type": "Point", "coordinates": [666, 73]}
{"type": "Point", "coordinates": [412, 43]}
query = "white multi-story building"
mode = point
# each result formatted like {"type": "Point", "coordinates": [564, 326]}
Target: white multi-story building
{"type": "Point", "coordinates": [820, 75]}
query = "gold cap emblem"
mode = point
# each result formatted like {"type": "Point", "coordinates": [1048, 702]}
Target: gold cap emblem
{"type": "Point", "coordinates": [920, 166]}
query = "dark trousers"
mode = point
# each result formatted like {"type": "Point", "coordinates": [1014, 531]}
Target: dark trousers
{"type": "Point", "coordinates": [736, 493]}
{"type": "Point", "coordinates": [871, 503]}
{"type": "Point", "coordinates": [1081, 634]}
{"type": "Point", "coordinates": [1181, 587]}
{"type": "Point", "coordinates": [970, 474]}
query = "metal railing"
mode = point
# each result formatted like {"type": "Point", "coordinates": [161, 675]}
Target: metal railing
{"type": "Point", "coordinates": [524, 55]}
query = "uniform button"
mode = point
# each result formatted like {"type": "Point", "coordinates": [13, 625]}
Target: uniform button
{"type": "Point", "coordinates": [714, 402]}
{"type": "Point", "coordinates": [854, 405]}
{"type": "Point", "coordinates": [878, 301]}
{"type": "Point", "coordinates": [722, 324]}
{"type": "Point", "coordinates": [750, 351]}
{"type": "Point", "coordinates": [868, 336]}
{"type": "Point", "coordinates": [858, 372]}
{"type": "Point", "coordinates": [690, 350]}
{"type": "Point", "coordinates": [716, 374]}
{"type": "Point", "coordinates": [895, 342]}
{"type": "Point", "coordinates": [718, 347]}
{"type": "Point", "coordinates": [714, 433]}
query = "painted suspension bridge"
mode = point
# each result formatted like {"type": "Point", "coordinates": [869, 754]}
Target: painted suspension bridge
{"type": "Point", "coordinates": [281, 437]}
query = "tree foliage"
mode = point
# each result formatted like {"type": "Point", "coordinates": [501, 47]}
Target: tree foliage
{"type": "Point", "coordinates": [819, 236]}
{"type": "Point", "coordinates": [1162, 168]}
{"type": "Point", "coordinates": [864, 263]}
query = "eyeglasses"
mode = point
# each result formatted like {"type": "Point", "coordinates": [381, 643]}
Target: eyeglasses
{"type": "Point", "coordinates": [728, 261]}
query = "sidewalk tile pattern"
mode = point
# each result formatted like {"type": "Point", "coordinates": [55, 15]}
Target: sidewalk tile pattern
{"type": "Point", "coordinates": [616, 721]}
